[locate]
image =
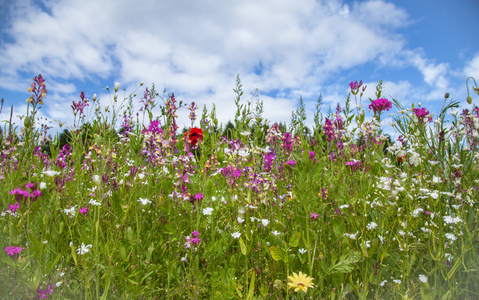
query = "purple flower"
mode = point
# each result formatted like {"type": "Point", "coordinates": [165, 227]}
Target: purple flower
{"type": "Point", "coordinates": [195, 234]}
{"type": "Point", "coordinates": [355, 85]}
{"type": "Point", "coordinates": [380, 105]}
{"type": "Point", "coordinates": [355, 165]}
{"type": "Point", "coordinates": [314, 216]}
{"type": "Point", "coordinates": [43, 294]}
{"type": "Point", "coordinates": [13, 251]}
{"type": "Point", "coordinates": [84, 210]}
{"type": "Point", "coordinates": [195, 240]}
{"type": "Point", "coordinates": [422, 113]}
{"type": "Point", "coordinates": [291, 163]}
{"type": "Point", "coordinates": [14, 207]}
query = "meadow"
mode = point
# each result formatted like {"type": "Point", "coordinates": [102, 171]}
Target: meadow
{"type": "Point", "coordinates": [123, 204]}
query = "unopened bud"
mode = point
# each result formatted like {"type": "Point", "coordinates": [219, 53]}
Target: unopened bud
{"type": "Point", "coordinates": [446, 95]}
{"type": "Point", "coordinates": [117, 86]}
{"type": "Point", "coordinates": [141, 83]}
{"type": "Point", "coordinates": [27, 122]}
{"type": "Point", "coordinates": [469, 99]}
{"type": "Point", "coordinates": [107, 88]}
{"type": "Point", "coordinates": [94, 97]}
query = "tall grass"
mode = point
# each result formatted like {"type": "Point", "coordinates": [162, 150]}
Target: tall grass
{"type": "Point", "coordinates": [125, 206]}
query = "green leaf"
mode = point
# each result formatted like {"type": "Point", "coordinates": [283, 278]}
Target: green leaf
{"type": "Point", "coordinates": [244, 250]}
{"type": "Point", "coordinates": [276, 253]}
{"type": "Point", "coordinates": [345, 264]}
{"type": "Point", "coordinates": [251, 286]}
{"type": "Point", "coordinates": [294, 241]}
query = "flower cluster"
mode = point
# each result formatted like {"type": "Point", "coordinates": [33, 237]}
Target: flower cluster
{"type": "Point", "coordinates": [380, 105]}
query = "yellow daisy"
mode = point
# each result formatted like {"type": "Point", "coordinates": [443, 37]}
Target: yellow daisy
{"type": "Point", "coordinates": [300, 282]}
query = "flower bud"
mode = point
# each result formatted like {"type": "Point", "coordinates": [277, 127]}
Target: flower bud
{"type": "Point", "coordinates": [27, 122]}
{"type": "Point", "coordinates": [117, 86]}
{"type": "Point", "coordinates": [94, 97]}
{"type": "Point", "coordinates": [469, 99]}
{"type": "Point", "coordinates": [446, 95]}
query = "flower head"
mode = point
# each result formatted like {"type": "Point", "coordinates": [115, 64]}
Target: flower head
{"type": "Point", "coordinates": [422, 114]}
{"type": "Point", "coordinates": [300, 282]}
{"type": "Point", "coordinates": [380, 105]}
{"type": "Point", "coordinates": [83, 249]}
{"type": "Point", "coordinates": [13, 251]}
{"type": "Point", "coordinates": [193, 135]}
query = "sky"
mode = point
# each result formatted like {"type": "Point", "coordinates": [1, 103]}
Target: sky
{"type": "Point", "coordinates": [286, 49]}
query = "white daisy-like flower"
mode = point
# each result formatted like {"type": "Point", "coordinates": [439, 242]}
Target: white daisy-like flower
{"type": "Point", "coordinates": [276, 233]}
{"type": "Point", "coordinates": [236, 235]}
{"type": "Point", "coordinates": [50, 173]}
{"type": "Point", "coordinates": [94, 202]}
{"type": "Point", "coordinates": [450, 236]}
{"type": "Point", "coordinates": [240, 220]}
{"type": "Point", "coordinates": [302, 251]}
{"type": "Point", "coordinates": [265, 222]}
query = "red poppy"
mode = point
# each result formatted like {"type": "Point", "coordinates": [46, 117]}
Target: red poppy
{"type": "Point", "coordinates": [194, 134]}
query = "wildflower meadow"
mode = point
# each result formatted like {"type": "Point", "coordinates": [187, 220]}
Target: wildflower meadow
{"type": "Point", "coordinates": [124, 204]}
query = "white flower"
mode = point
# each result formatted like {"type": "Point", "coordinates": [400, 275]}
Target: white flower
{"type": "Point", "coordinates": [265, 222]}
{"type": "Point", "coordinates": [58, 284]}
{"type": "Point", "coordinates": [240, 220]}
{"type": "Point", "coordinates": [207, 211]}
{"type": "Point", "coordinates": [276, 233]}
{"type": "Point", "coordinates": [449, 257]}
{"type": "Point", "coordinates": [450, 236]}
{"type": "Point", "coordinates": [236, 235]}
{"type": "Point", "coordinates": [51, 173]}
{"type": "Point", "coordinates": [451, 220]}
{"type": "Point", "coordinates": [96, 179]}
{"type": "Point", "coordinates": [245, 133]}
{"type": "Point", "coordinates": [351, 235]}
{"type": "Point", "coordinates": [116, 86]}
{"type": "Point", "coordinates": [94, 202]}
{"type": "Point", "coordinates": [70, 212]}
{"type": "Point", "coordinates": [383, 282]}
{"type": "Point", "coordinates": [243, 152]}
{"type": "Point", "coordinates": [302, 251]}
{"type": "Point", "coordinates": [141, 175]}
{"type": "Point", "coordinates": [422, 278]}
{"type": "Point", "coordinates": [398, 281]}
{"type": "Point", "coordinates": [371, 226]}
{"type": "Point", "coordinates": [144, 201]}
{"type": "Point", "coordinates": [436, 179]}
{"type": "Point", "coordinates": [184, 258]}
{"type": "Point", "coordinates": [434, 195]}
{"type": "Point", "coordinates": [43, 185]}
{"type": "Point", "coordinates": [83, 249]}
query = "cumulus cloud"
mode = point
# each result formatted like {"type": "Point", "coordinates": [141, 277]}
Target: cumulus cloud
{"type": "Point", "coordinates": [284, 48]}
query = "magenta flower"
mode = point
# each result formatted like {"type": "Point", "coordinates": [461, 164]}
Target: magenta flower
{"type": "Point", "coordinates": [43, 294]}
{"type": "Point", "coordinates": [422, 113]}
{"type": "Point", "coordinates": [195, 234]}
{"type": "Point", "coordinates": [291, 163]}
{"type": "Point", "coordinates": [13, 251]}
{"type": "Point", "coordinates": [84, 210]}
{"type": "Point", "coordinates": [355, 165]}
{"type": "Point", "coordinates": [355, 86]}
{"type": "Point", "coordinates": [195, 241]}
{"type": "Point", "coordinates": [380, 105]}
{"type": "Point", "coordinates": [14, 207]}
{"type": "Point", "coordinates": [314, 216]}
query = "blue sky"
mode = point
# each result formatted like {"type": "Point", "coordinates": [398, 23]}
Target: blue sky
{"type": "Point", "coordinates": [284, 48]}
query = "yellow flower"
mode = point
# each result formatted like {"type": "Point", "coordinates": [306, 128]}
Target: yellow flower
{"type": "Point", "coordinates": [300, 282]}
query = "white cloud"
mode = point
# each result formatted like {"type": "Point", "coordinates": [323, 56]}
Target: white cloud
{"type": "Point", "coordinates": [472, 67]}
{"type": "Point", "coordinates": [195, 49]}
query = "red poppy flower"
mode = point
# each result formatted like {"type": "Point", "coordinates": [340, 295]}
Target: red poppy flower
{"type": "Point", "coordinates": [194, 134]}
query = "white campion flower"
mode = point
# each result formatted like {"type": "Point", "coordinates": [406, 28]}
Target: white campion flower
{"type": "Point", "coordinates": [398, 281]}
{"type": "Point", "coordinates": [144, 201]}
{"type": "Point", "coordinates": [243, 153]}
{"type": "Point", "coordinates": [276, 233]}
{"type": "Point", "coordinates": [43, 185]}
{"type": "Point", "coordinates": [351, 235]}
{"type": "Point", "coordinates": [240, 220]}
{"type": "Point", "coordinates": [96, 179]}
{"type": "Point", "coordinates": [207, 211]}
{"type": "Point", "coordinates": [302, 251]}
{"type": "Point", "coordinates": [83, 249]}
{"type": "Point", "coordinates": [451, 220]}
{"type": "Point", "coordinates": [265, 222]}
{"type": "Point", "coordinates": [236, 235]}
{"type": "Point", "coordinates": [436, 179]}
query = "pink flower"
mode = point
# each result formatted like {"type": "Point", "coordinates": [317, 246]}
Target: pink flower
{"type": "Point", "coordinates": [355, 86]}
{"type": "Point", "coordinates": [291, 163]}
{"type": "Point", "coordinates": [422, 113]}
{"type": "Point", "coordinates": [380, 105]}
{"type": "Point", "coordinates": [84, 210]}
{"type": "Point", "coordinates": [14, 207]}
{"type": "Point", "coordinates": [314, 216]}
{"type": "Point", "coordinates": [195, 234]}
{"type": "Point", "coordinates": [13, 251]}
